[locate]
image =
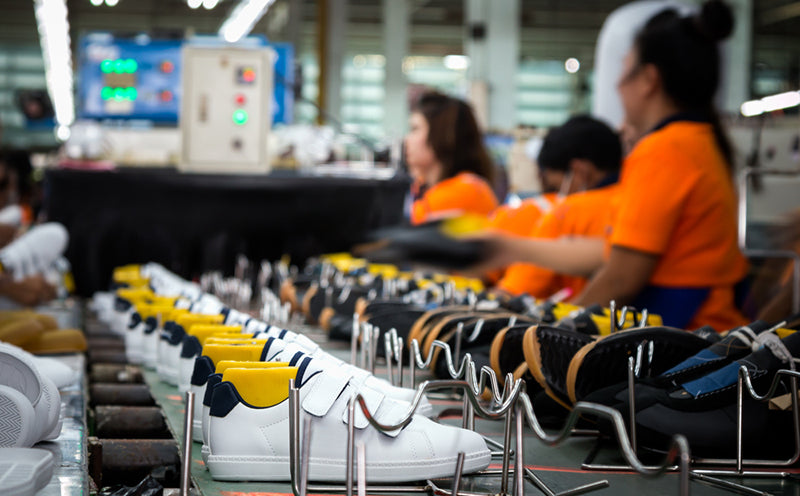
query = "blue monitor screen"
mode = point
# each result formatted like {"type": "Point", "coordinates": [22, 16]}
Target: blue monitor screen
{"type": "Point", "coordinates": [123, 79]}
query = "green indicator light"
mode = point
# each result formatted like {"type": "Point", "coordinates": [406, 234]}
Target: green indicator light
{"type": "Point", "coordinates": [119, 66]}
{"type": "Point", "coordinates": [119, 94]}
{"type": "Point", "coordinates": [107, 93]}
{"type": "Point", "coordinates": [239, 117]}
{"type": "Point", "coordinates": [132, 94]}
{"type": "Point", "coordinates": [107, 66]}
{"type": "Point", "coordinates": [131, 66]}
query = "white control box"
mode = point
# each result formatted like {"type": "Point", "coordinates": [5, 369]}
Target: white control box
{"type": "Point", "coordinates": [226, 109]}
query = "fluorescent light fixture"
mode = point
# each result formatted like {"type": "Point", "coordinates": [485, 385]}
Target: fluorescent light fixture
{"type": "Point", "coordinates": [572, 65]}
{"type": "Point", "coordinates": [51, 19]}
{"type": "Point", "coordinates": [456, 62]}
{"type": "Point", "coordinates": [96, 3]}
{"type": "Point", "coordinates": [771, 103]}
{"type": "Point", "coordinates": [242, 19]}
{"type": "Point", "coordinates": [210, 4]}
{"type": "Point", "coordinates": [112, 3]}
{"type": "Point", "coordinates": [752, 108]}
{"type": "Point", "coordinates": [193, 4]}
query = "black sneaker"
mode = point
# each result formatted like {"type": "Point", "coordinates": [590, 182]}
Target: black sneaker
{"type": "Point", "coordinates": [476, 338]}
{"type": "Point", "coordinates": [604, 362]}
{"type": "Point", "coordinates": [506, 357]}
{"type": "Point", "coordinates": [548, 351]}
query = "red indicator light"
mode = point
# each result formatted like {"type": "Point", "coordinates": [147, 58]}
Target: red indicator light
{"type": "Point", "coordinates": [167, 67]}
{"type": "Point", "coordinates": [166, 96]}
{"type": "Point", "coordinates": [240, 99]}
{"type": "Point", "coordinates": [249, 75]}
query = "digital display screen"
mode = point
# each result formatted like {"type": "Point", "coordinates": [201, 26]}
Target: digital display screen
{"type": "Point", "coordinates": [129, 79]}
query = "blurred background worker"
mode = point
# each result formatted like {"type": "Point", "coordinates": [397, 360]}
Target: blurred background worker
{"type": "Point", "coordinates": [449, 164]}
{"type": "Point", "coordinates": [582, 159]}
{"type": "Point", "coordinates": [672, 247]}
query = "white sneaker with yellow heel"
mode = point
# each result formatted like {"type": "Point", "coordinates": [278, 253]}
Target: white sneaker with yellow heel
{"type": "Point", "coordinates": [248, 428]}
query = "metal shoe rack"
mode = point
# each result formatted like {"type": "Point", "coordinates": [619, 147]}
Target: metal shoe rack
{"type": "Point", "coordinates": [526, 460]}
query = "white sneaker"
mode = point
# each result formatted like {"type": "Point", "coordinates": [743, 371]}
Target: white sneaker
{"type": "Point", "coordinates": [34, 251]}
{"type": "Point", "coordinates": [248, 430]}
{"type": "Point", "coordinates": [19, 372]}
{"type": "Point", "coordinates": [205, 367]}
{"type": "Point", "coordinates": [18, 426]}
{"type": "Point", "coordinates": [11, 215]}
{"type": "Point", "coordinates": [169, 354]}
{"type": "Point", "coordinates": [134, 340]}
{"type": "Point", "coordinates": [190, 350]}
{"type": "Point", "coordinates": [281, 351]}
{"type": "Point", "coordinates": [102, 304]}
{"type": "Point", "coordinates": [59, 373]}
{"type": "Point", "coordinates": [25, 471]}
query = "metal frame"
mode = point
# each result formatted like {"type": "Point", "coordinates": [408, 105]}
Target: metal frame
{"type": "Point", "coordinates": [511, 401]}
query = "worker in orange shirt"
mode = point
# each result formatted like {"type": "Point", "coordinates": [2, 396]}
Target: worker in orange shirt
{"type": "Point", "coordinates": [583, 158]}
{"type": "Point", "coordinates": [673, 244]}
{"type": "Point", "coordinates": [450, 167]}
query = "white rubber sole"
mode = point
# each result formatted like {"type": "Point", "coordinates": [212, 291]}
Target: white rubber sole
{"type": "Point", "coordinates": [197, 430]}
{"type": "Point", "coordinates": [274, 468]}
{"type": "Point", "coordinates": [18, 374]}
{"type": "Point", "coordinates": [205, 452]}
{"type": "Point", "coordinates": [24, 471]}
{"type": "Point", "coordinates": [18, 427]}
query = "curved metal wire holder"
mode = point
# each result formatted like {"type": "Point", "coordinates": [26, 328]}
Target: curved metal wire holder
{"type": "Point", "coordinates": [619, 323]}
{"type": "Point", "coordinates": [512, 398]}
{"type": "Point", "coordinates": [703, 475]}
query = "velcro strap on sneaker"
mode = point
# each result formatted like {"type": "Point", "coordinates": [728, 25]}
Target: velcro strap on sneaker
{"type": "Point", "coordinates": [373, 399]}
{"type": "Point", "coordinates": [392, 412]}
{"type": "Point", "coordinates": [324, 392]}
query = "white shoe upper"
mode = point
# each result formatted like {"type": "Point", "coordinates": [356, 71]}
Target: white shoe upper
{"type": "Point", "coordinates": [18, 371]}
{"type": "Point", "coordinates": [34, 252]}
{"type": "Point", "coordinates": [11, 215]}
{"type": "Point", "coordinates": [281, 351]}
{"type": "Point", "coordinates": [248, 443]}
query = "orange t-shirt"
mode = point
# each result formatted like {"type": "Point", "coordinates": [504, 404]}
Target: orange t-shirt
{"type": "Point", "coordinates": [677, 201]}
{"type": "Point", "coordinates": [519, 220]}
{"type": "Point", "coordinates": [465, 193]}
{"type": "Point", "coordinates": [580, 214]}
{"type": "Point", "coordinates": [523, 218]}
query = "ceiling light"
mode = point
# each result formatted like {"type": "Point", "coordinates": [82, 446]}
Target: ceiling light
{"type": "Point", "coordinates": [456, 62]}
{"type": "Point", "coordinates": [193, 4]}
{"type": "Point", "coordinates": [112, 3]}
{"type": "Point", "coordinates": [51, 19]}
{"type": "Point", "coordinates": [210, 4]}
{"type": "Point", "coordinates": [572, 65]}
{"type": "Point", "coordinates": [770, 103]}
{"type": "Point", "coordinates": [242, 19]}
{"type": "Point", "coordinates": [96, 3]}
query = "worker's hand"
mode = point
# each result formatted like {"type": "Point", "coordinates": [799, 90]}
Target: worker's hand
{"type": "Point", "coordinates": [29, 291]}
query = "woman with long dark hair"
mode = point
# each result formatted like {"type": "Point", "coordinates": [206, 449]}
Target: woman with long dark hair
{"type": "Point", "coordinates": [672, 242]}
{"type": "Point", "coordinates": [448, 162]}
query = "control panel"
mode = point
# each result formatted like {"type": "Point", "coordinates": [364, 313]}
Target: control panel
{"type": "Point", "coordinates": [226, 110]}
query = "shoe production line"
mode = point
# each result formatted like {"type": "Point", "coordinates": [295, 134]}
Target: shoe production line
{"type": "Point", "coordinates": [190, 389]}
